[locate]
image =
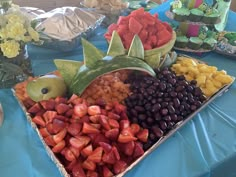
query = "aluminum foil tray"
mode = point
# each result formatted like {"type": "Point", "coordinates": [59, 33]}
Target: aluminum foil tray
{"type": "Point", "coordinates": [63, 28]}
{"type": "Point", "coordinates": [156, 145]}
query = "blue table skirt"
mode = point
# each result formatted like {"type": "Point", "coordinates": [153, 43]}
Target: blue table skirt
{"type": "Point", "coordinates": [204, 147]}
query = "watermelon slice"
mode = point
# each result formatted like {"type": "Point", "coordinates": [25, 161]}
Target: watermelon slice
{"type": "Point", "coordinates": [134, 26]}
{"type": "Point", "coordinates": [123, 20]}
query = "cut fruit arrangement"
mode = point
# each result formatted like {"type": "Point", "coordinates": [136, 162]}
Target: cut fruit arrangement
{"type": "Point", "coordinates": [157, 37]}
{"type": "Point", "coordinates": [115, 106]}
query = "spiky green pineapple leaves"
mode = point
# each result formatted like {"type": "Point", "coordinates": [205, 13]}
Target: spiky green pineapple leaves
{"type": "Point", "coordinates": [67, 69]}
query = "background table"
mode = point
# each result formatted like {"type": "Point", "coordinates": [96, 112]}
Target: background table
{"type": "Point", "coordinates": [204, 147]}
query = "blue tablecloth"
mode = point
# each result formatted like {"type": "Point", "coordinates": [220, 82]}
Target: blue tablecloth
{"type": "Point", "coordinates": [204, 147]}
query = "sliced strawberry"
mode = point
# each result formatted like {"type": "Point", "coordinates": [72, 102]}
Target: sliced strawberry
{"type": "Point", "coordinates": [40, 113]}
{"type": "Point", "coordinates": [49, 141]}
{"type": "Point", "coordinates": [124, 124]}
{"type": "Point", "coordinates": [143, 135]}
{"type": "Point", "coordinates": [104, 112]}
{"type": "Point", "coordinates": [62, 108]}
{"type": "Point", "coordinates": [87, 150]}
{"type": "Point", "coordinates": [100, 138]}
{"type": "Point", "coordinates": [94, 110]}
{"type": "Point", "coordinates": [78, 171]}
{"type": "Point", "coordinates": [50, 129]}
{"type": "Point", "coordinates": [38, 120]}
{"type": "Point", "coordinates": [80, 141]}
{"type": "Point", "coordinates": [106, 147]}
{"type": "Point", "coordinates": [96, 155]}
{"type": "Point", "coordinates": [116, 153]}
{"type": "Point", "coordinates": [69, 155]}
{"type": "Point", "coordinates": [104, 122]}
{"type": "Point", "coordinates": [113, 123]}
{"type": "Point", "coordinates": [138, 150]}
{"type": "Point", "coordinates": [44, 132]}
{"type": "Point", "coordinates": [62, 118]}
{"type": "Point", "coordinates": [58, 125]}
{"type": "Point", "coordinates": [48, 104]}
{"type": "Point", "coordinates": [59, 100]}
{"type": "Point", "coordinates": [119, 166]}
{"type": "Point", "coordinates": [49, 116]}
{"type": "Point", "coordinates": [92, 174]}
{"type": "Point", "coordinates": [69, 113]}
{"type": "Point", "coordinates": [135, 128]}
{"type": "Point", "coordinates": [58, 148]}
{"type": "Point", "coordinates": [107, 172]}
{"type": "Point", "coordinates": [119, 108]}
{"type": "Point", "coordinates": [124, 116]}
{"type": "Point", "coordinates": [87, 129]}
{"type": "Point", "coordinates": [80, 110]}
{"type": "Point", "coordinates": [112, 134]}
{"type": "Point", "coordinates": [35, 108]}
{"type": "Point", "coordinates": [89, 165]}
{"type": "Point", "coordinates": [97, 126]}
{"type": "Point", "coordinates": [109, 106]}
{"type": "Point", "coordinates": [71, 165]}
{"type": "Point", "coordinates": [127, 148]}
{"type": "Point", "coordinates": [84, 119]}
{"type": "Point", "coordinates": [94, 119]}
{"type": "Point", "coordinates": [72, 98]}
{"type": "Point", "coordinates": [60, 136]}
{"type": "Point", "coordinates": [109, 157]}
{"type": "Point", "coordinates": [75, 151]}
{"type": "Point", "coordinates": [28, 102]}
{"type": "Point", "coordinates": [112, 115]}
{"type": "Point", "coordinates": [125, 138]}
{"type": "Point", "coordinates": [74, 128]}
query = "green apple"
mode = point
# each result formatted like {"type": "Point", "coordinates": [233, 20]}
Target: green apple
{"type": "Point", "coordinates": [46, 87]}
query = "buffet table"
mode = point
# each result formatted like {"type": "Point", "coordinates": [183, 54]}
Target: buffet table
{"type": "Point", "coordinates": [204, 147]}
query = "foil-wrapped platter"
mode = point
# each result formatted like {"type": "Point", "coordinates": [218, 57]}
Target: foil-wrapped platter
{"type": "Point", "coordinates": [62, 28]}
{"type": "Point", "coordinates": [178, 126]}
{"type": "Point", "coordinates": [224, 45]}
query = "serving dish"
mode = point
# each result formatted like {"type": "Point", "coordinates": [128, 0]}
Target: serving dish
{"type": "Point", "coordinates": [160, 141]}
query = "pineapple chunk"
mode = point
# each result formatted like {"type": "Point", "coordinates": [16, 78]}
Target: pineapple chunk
{"type": "Point", "coordinates": [224, 79]}
{"type": "Point", "coordinates": [193, 70]}
{"type": "Point", "coordinates": [201, 79]}
{"type": "Point", "coordinates": [216, 83]}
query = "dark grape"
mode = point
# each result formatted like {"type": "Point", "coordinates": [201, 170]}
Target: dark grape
{"type": "Point", "coordinates": [139, 109]}
{"type": "Point", "coordinates": [157, 131]}
{"type": "Point", "coordinates": [163, 125]}
{"type": "Point", "coordinates": [164, 111]}
{"type": "Point", "coordinates": [159, 103]}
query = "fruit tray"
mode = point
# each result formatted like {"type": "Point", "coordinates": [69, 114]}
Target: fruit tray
{"type": "Point", "coordinates": [166, 136]}
{"type": "Point", "coordinates": [223, 46]}
{"type": "Point", "coordinates": [170, 15]}
{"type": "Point", "coordinates": [156, 145]}
{"type": "Point", "coordinates": [192, 51]}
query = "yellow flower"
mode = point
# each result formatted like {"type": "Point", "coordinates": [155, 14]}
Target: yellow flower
{"type": "Point", "coordinates": [10, 48]}
{"type": "Point", "coordinates": [27, 39]}
{"type": "Point", "coordinates": [3, 33]}
{"type": "Point", "coordinates": [34, 34]}
{"type": "Point", "coordinates": [14, 18]}
{"type": "Point", "coordinates": [15, 31]}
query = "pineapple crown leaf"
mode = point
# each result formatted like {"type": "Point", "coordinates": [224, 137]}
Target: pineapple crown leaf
{"type": "Point", "coordinates": [116, 46]}
{"type": "Point", "coordinates": [91, 53]}
{"type": "Point", "coordinates": [136, 49]}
